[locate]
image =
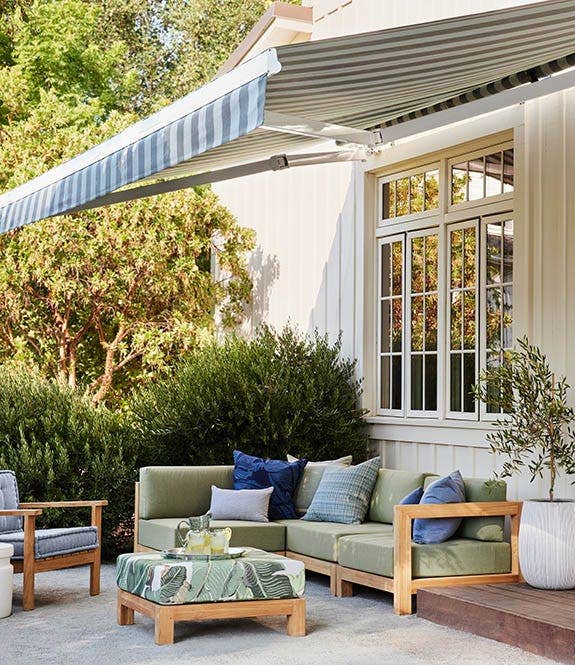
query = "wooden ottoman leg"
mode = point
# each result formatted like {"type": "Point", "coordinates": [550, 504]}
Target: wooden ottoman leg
{"type": "Point", "coordinates": [125, 614]}
{"type": "Point", "coordinates": [164, 626]}
{"type": "Point", "coordinates": [296, 620]}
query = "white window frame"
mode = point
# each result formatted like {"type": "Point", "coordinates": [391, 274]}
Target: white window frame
{"type": "Point", "coordinates": [417, 216]}
{"type": "Point", "coordinates": [470, 223]}
{"type": "Point", "coordinates": [465, 157]}
{"type": "Point", "coordinates": [439, 221]}
{"type": "Point", "coordinates": [412, 413]}
{"type": "Point", "coordinates": [484, 415]}
{"type": "Point", "coordinates": [389, 240]}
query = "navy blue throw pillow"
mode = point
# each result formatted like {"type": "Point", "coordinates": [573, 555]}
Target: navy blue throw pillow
{"type": "Point", "coordinates": [256, 473]}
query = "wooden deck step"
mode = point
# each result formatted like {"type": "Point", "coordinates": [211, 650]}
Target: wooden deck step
{"type": "Point", "coordinates": [539, 621]}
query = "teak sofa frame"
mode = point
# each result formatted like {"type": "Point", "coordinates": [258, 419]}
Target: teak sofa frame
{"type": "Point", "coordinates": [402, 585]}
{"type": "Point", "coordinates": [29, 565]}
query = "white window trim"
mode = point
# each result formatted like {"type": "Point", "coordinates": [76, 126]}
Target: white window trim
{"type": "Point", "coordinates": [484, 415]}
{"type": "Point", "coordinates": [465, 157]}
{"type": "Point", "coordinates": [389, 240]}
{"type": "Point", "coordinates": [449, 414]}
{"type": "Point", "coordinates": [392, 177]}
{"type": "Point", "coordinates": [438, 221]}
{"type": "Point", "coordinates": [411, 413]}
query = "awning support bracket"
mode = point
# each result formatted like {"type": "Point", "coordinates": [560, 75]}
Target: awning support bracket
{"type": "Point", "coordinates": [342, 135]}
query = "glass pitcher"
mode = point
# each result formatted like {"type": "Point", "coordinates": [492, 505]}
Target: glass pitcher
{"type": "Point", "coordinates": [196, 537]}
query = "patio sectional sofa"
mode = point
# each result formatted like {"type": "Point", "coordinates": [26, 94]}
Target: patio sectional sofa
{"type": "Point", "coordinates": [378, 553]}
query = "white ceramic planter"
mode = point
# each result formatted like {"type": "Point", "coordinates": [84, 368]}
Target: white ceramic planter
{"type": "Point", "coordinates": [547, 544]}
{"type": "Point", "coordinates": [6, 580]}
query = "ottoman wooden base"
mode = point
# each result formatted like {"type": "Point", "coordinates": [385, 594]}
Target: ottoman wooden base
{"type": "Point", "coordinates": [165, 615]}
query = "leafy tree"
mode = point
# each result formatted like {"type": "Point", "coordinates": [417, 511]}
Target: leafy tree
{"type": "Point", "coordinates": [107, 296]}
{"type": "Point", "coordinates": [205, 33]}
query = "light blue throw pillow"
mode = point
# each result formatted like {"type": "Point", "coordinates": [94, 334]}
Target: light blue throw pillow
{"type": "Point", "coordinates": [445, 490]}
{"type": "Point", "coordinates": [343, 494]}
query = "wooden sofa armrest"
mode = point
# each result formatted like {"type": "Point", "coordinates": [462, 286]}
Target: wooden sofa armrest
{"type": "Point", "coordinates": [468, 509]}
{"type": "Point", "coordinates": [64, 504]}
{"type": "Point", "coordinates": [405, 514]}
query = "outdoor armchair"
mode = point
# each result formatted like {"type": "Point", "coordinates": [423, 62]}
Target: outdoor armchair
{"type": "Point", "coordinates": [41, 550]}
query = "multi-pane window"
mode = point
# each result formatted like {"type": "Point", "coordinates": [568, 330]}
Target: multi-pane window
{"type": "Point", "coordinates": [498, 294]}
{"type": "Point", "coordinates": [462, 316]}
{"type": "Point", "coordinates": [482, 176]}
{"type": "Point", "coordinates": [445, 284]}
{"type": "Point", "coordinates": [413, 193]}
{"type": "Point", "coordinates": [391, 325]}
{"type": "Point", "coordinates": [423, 303]}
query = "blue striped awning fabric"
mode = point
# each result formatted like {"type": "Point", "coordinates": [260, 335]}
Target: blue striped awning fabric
{"type": "Point", "coordinates": [219, 122]}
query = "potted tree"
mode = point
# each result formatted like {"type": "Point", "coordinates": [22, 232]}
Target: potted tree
{"type": "Point", "coordinates": [535, 431]}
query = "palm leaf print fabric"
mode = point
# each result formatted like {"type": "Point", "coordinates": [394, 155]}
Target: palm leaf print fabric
{"type": "Point", "coordinates": [256, 575]}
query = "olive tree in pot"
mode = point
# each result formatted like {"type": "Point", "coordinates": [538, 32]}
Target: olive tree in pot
{"type": "Point", "coordinates": [535, 431]}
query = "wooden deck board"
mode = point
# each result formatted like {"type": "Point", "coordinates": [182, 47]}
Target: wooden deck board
{"type": "Point", "coordinates": [539, 621]}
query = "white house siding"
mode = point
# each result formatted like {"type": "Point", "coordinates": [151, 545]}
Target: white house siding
{"type": "Point", "coordinates": [310, 266]}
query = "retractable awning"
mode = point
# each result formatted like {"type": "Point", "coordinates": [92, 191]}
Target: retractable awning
{"type": "Point", "coordinates": [358, 90]}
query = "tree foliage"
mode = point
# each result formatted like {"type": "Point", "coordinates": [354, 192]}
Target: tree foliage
{"type": "Point", "coordinates": [537, 429]}
{"type": "Point", "coordinates": [103, 298]}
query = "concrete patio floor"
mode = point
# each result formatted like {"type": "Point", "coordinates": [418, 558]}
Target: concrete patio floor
{"type": "Point", "coordinates": [69, 627]}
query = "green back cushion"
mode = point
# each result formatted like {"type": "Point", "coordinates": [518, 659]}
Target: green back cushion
{"type": "Point", "coordinates": [478, 490]}
{"type": "Point", "coordinates": [180, 491]}
{"type": "Point", "coordinates": [390, 488]}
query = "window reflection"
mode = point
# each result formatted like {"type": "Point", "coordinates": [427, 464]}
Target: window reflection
{"type": "Point", "coordinates": [411, 195]}
{"type": "Point", "coordinates": [482, 177]}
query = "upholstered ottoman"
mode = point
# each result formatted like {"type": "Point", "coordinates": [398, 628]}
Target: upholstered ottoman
{"type": "Point", "coordinates": [256, 584]}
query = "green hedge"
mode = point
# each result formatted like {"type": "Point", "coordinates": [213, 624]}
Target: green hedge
{"type": "Point", "coordinates": [61, 448]}
{"type": "Point", "coordinates": [274, 394]}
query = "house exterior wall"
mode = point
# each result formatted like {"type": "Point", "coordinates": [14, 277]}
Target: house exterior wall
{"type": "Point", "coordinates": [315, 256]}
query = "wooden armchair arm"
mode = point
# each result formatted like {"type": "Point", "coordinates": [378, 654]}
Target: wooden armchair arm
{"type": "Point", "coordinates": [64, 504]}
{"type": "Point", "coordinates": [19, 512]}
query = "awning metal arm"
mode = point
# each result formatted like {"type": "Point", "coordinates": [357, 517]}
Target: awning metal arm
{"type": "Point", "coordinates": [275, 163]}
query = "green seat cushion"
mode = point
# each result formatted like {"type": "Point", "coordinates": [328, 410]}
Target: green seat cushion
{"type": "Point", "coordinates": [320, 539]}
{"type": "Point", "coordinates": [390, 488]}
{"type": "Point", "coordinates": [373, 553]}
{"type": "Point", "coordinates": [256, 575]}
{"type": "Point", "coordinates": [160, 534]}
{"type": "Point", "coordinates": [180, 491]}
{"type": "Point", "coordinates": [479, 490]}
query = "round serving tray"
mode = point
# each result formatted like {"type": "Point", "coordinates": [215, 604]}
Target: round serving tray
{"type": "Point", "coordinates": [180, 554]}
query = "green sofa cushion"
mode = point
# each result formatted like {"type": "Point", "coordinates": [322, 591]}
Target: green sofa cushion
{"type": "Point", "coordinates": [479, 490]}
{"type": "Point", "coordinates": [180, 491]}
{"type": "Point", "coordinates": [320, 539]}
{"type": "Point", "coordinates": [373, 553]}
{"type": "Point", "coordinates": [390, 488]}
{"type": "Point", "coordinates": [160, 534]}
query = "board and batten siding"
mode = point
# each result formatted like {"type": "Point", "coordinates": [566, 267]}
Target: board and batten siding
{"type": "Point", "coordinates": [311, 267]}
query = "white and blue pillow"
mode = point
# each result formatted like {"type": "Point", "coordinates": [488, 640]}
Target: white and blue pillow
{"type": "Point", "coordinates": [344, 493]}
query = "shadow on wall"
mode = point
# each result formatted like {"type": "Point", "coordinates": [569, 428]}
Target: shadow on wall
{"type": "Point", "coordinates": [335, 245]}
{"type": "Point", "coordinates": [265, 271]}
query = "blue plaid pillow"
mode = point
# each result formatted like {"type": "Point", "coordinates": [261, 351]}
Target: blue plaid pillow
{"type": "Point", "coordinates": [343, 494]}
